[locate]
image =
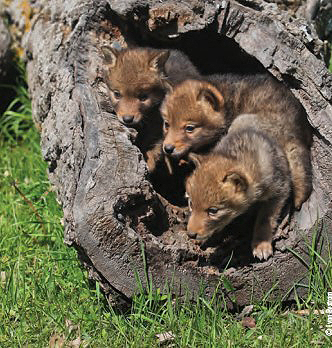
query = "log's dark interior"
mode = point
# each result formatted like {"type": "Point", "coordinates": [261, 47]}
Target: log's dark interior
{"type": "Point", "coordinates": [209, 50]}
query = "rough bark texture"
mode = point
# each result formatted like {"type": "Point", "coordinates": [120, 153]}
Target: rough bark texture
{"type": "Point", "coordinates": [111, 211]}
{"type": "Point", "coordinates": [4, 47]}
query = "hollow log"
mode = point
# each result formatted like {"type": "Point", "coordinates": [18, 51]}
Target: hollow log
{"type": "Point", "coordinates": [121, 223]}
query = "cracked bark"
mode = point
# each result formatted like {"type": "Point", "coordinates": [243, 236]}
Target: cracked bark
{"type": "Point", "coordinates": [111, 210]}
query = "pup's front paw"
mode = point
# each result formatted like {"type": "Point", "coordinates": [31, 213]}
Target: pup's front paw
{"type": "Point", "coordinates": [262, 250]}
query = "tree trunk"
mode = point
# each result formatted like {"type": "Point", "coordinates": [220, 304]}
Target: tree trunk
{"type": "Point", "coordinates": [113, 215]}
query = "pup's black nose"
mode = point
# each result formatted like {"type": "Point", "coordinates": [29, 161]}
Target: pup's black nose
{"type": "Point", "coordinates": [191, 234]}
{"type": "Point", "coordinates": [128, 119]}
{"type": "Point", "coordinates": [169, 148]}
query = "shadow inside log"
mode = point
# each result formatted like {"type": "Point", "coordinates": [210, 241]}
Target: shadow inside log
{"type": "Point", "coordinates": [210, 51]}
{"type": "Point", "coordinates": [171, 186]}
{"type": "Point", "coordinates": [142, 215]}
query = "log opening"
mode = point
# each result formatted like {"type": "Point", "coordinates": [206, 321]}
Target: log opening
{"type": "Point", "coordinates": [212, 53]}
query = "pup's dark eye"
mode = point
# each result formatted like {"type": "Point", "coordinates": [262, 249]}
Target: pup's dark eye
{"type": "Point", "coordinates": [116, 94]}
{"type": "Point", "coordinates": [166, 124]}
{"type": "Point", "coordinates": [212, 211]}
{"type": "Point", "coordinates": [143, 97]}
{"type": "Point", "coordinates": [190, 128]}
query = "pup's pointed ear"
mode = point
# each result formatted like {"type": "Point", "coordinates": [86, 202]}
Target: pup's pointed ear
{"type": "Point", "coordinates": [237, 180]}
{"type": "Point", "coordinates": [196, 159]}
{"type": "Point", "coordinates": [110, 55]}
{"type": "Point", "coordinates": [158, 60]}
{"type": "Point", "coordinates": [211, 96]}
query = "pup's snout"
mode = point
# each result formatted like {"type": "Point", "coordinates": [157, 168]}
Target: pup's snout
{"type": "Point", "coordinates": [192, 234]}
{"type": "Point", "coordinates": [128, 119]}
{"type": "Point", "coordinates": [169, 148]}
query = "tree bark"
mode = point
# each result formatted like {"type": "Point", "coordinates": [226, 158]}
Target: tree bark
{"type": "Point", "coordinates": [4, 48]}
{"type": "Point", "coordinates": [121, 227]}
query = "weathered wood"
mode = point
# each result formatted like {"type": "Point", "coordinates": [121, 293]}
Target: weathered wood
{"type": "Point", "coordinates": [111, 210]}
{"type": "Point", "coordinates": [4, 47]}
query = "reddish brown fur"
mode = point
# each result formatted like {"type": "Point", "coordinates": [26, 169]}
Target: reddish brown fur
{"type": "Point", "coordinates": [200, 107]}
{"type": "Point", "coordinates": [138, 79]}
{"type": "Point", "coordinates": [209, 106]}
{"type": "Point", "coordinates": [245, 168]}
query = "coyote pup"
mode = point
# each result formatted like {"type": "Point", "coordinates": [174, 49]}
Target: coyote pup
{"type": "Point", "coordinates": [197, 113]}
{"type": "Point", "coordinates": [246, 167]}
{"type": "Point", "coordinates": [138, 79]}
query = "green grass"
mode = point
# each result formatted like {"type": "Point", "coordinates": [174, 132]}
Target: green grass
{"type": "Point", "coordinates": [45, 294]}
